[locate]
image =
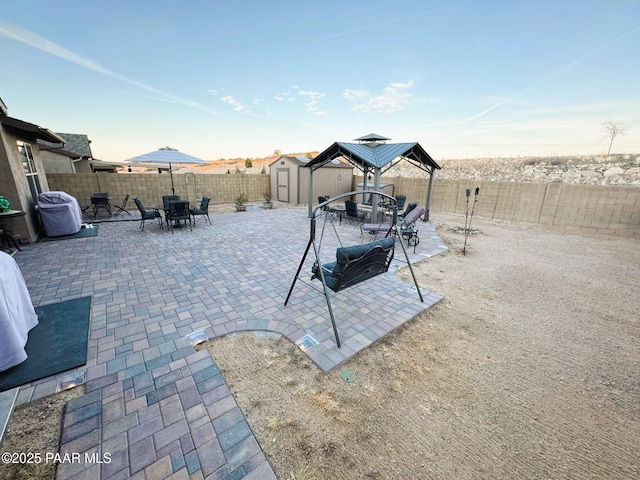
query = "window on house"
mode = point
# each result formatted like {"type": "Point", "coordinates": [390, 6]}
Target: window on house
{"type": "Point", "coordinates": [29, 165]}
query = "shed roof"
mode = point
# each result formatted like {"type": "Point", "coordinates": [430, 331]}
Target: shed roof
{"type": "Point", "coordinates": [304, 161]}
{"type": "Point", "coordinates": [373, 152]}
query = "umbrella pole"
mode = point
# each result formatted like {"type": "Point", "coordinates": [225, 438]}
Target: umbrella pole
{"type": "Point", "coordinates": [173, 190]}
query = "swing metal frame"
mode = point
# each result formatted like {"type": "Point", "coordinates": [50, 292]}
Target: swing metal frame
{"type": "Point", "coordinates": [319, 273]}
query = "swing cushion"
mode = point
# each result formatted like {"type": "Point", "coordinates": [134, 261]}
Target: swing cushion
{"type": "Point", "coordinates": [357, 263]}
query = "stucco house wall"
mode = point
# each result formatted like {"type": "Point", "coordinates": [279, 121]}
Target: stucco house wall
{"type": "Point", "coordinates": [14, 185]}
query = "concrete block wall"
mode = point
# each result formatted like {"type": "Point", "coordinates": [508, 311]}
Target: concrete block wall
{"type": "Point", "coordinates": [589, 208]}
{"type": "Point", "coordinates": [151, 187]}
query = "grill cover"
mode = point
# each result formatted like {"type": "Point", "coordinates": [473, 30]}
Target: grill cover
{"type": "Point", "coordinates": [60, 213]}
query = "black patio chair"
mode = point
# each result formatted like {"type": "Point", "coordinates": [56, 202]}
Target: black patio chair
{"type": "Point", "coordinates": [165, 202]}
{"type": "Point", "coordinates": [203, 209]}
{"type": "Point", "coordinates": [178, 212]}
{"type": "Point", "coordinates": [353, 214]}
{"type": "Point", "coordinates": [98, 201]}
{"type": "Point", "coordinates": [400, 201]}
{"type": "Point", "coordinates": [122, 207]}
{"type": "Point", "coordinates": [410, 207]}
{"type": "Point", "coordinates": [147, 214]}
{"type": "Point", "coordinates": [368, 201]}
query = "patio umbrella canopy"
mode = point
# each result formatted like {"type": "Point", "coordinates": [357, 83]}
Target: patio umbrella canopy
{"type": "Point", "coordinates": [168, 155]}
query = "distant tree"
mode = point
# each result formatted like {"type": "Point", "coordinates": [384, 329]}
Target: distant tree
{"type": "Point", "coordinates": [237, 170]}
{"type": "Point", "coordinates": [612, 130]}
{"type": "Point", "coordinates": [264, 170]}
{"type": "Point", "coordinates": [277, 152]}
{"type": "Point", "coordinates": [247, 163]}
{"type": "Point", "coordinates": [309, 155]}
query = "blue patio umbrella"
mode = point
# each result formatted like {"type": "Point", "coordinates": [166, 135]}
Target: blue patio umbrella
{"type": "Point", "coordinates": [168, 155]}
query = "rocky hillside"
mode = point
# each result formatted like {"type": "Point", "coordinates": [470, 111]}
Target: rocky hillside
{"type": "Point", "coordinates": [591, 170]}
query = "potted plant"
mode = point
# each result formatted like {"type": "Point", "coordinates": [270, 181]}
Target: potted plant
{"type": "Point", "coordinates": [267, 201]}
{"type": "Point", "coordinates": [241, 202]}
{"type": "Point", "coordinates": [4, 204]}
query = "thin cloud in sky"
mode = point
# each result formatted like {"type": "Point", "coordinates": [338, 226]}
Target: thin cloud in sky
{"type": "Point", "coordinates": [36, 41]}
{"type": "Point", "coordinates": [235, 104]}
{"type": "Point", "coordinates": [394, 97]}
{"type": "Point", "coordinates": [312, 102]}
{"type": "Point", "coordinates": [395, 20]}
{"type": "Point", "coordinates": [551, 76]}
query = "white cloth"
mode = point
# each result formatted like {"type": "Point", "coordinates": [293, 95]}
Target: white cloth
{"type": "Point", "coordinates": [17, 315]}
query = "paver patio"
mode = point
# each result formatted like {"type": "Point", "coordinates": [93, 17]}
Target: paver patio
{"type": "Point", "coordinates": [158, 407]}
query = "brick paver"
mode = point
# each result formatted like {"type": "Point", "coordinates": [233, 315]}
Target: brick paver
{"type": "Point", "coordinates": [155, 406]}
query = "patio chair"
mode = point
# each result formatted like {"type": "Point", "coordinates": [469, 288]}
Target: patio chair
{"type": "Point", "coordinates": [8, 239]}
{"type": "Point", "coordinates": [122, 207]}
{"type": "Point", "coordinates": [178, 212]}
{"type": "Point", "coordinates": [400, 201]}
{"type": "Point", "coordinates": [147, 214]}
{"type": "Point", "coordinates": [169, 198]}
{"type": "Point", "coordinates": [408, 229]}
{"type": "Point", "coordinates": [410, 207]}
{"type": "Point", "coordinates": [165, 202]}
{"type": "Point", "coordinates": [98, 201]}
{"type": "Point", "coordinates": [353, 214]}
{"type": "Point", "coordinates": [329, 211]}
{"type": "Point", "coordinates": [203, 209]}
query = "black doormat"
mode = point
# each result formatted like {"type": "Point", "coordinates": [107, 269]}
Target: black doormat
{"type": "Point", "coordinates": [84, 232]}
{"type": "Point", "coordinates": [57, 344]}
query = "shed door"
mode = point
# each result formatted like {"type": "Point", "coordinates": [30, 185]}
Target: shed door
{"type": "Point", "coordinates": [282, 185]}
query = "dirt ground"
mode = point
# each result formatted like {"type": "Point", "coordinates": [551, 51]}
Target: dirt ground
{"type": "Point", "coordinates": [528, 369]}
{"type": "Point", "coordinates": [35, 429]}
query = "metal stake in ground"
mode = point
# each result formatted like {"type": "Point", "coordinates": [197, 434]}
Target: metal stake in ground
{"type": "Point", "coordinates": [467, 230]}
{"type": "Point", "coordinates": [466, 217]}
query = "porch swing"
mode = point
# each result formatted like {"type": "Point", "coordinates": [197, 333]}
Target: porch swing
{"type": "Point", "coordinates": [355, 263]}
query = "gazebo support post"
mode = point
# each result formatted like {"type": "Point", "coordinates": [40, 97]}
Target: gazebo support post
{"type": "Point", "coordinates": [376, 197]}
{"type": "Point", "coordinates": [365, 172]}
{"type": "Point", "coordinates": [310, 192]}
{"type": "Point", "coordinates": [428, 202]}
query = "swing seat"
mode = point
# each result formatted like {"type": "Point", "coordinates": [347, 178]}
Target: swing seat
{"type": "Point", "coordinates": [357, 263]}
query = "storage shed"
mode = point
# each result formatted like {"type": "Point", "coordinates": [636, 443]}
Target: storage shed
{"type": "Point", "coordinates": [290, 182]}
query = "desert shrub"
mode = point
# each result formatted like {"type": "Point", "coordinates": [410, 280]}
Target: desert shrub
{"type": "Point", "coordinates": [558, 161]}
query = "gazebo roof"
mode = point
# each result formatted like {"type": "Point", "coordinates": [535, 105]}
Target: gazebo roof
{"type": "Point", "coordinates": [374, 152]}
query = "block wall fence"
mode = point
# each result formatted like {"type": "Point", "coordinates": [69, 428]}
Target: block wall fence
{"type": "Point", "coordinates": [612, 210]}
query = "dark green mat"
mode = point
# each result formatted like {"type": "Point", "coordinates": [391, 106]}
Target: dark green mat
{"type": "Point", "coordinates": [84, 232]}
{"type": "Point", "coordinates": [57, 344]}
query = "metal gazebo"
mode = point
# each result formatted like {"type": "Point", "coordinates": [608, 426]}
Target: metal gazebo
{"type": "Point", "coordinates": [372, 153]}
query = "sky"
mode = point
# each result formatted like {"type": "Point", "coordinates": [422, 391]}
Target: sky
{"type": "Point", "coordinates": [227, 79]}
